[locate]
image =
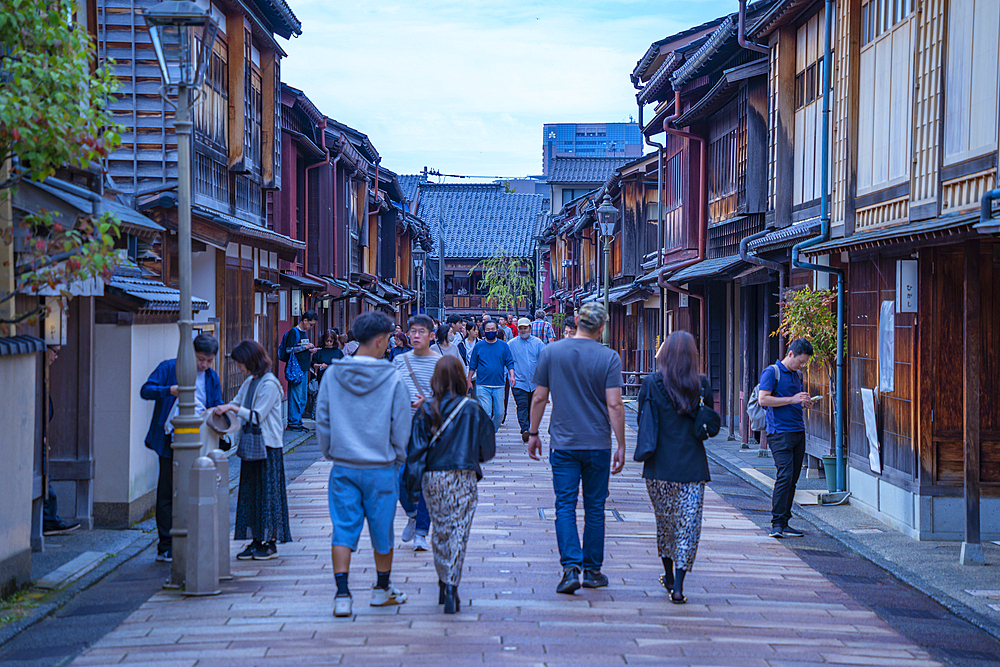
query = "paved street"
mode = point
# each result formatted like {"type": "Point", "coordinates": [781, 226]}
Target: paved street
{"type": "Point", "coordinates": [753, 601]}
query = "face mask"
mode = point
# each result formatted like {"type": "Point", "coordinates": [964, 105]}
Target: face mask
{"type": "Point", "coordinates": [524, 336]}
{"type": "Point", "coordinates": [491, 335]}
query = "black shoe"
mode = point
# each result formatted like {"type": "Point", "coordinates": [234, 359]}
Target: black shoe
{"type": "Point", "coordinates": [594, 579]}
{"type": "Point", "coordinates": [441, 587]}
{"type": "Point", "coordinates": [452, 604]}
{"type": "Point", "coordinates": [788, 531]}
{"type": "Point", "coordinates": [266, 551]}
{"type": "Point", "coordinates": [59, 527]}
{"type": "Point", "coordinates": [570, 582]}
{"type": "Point", "coordinates": [165, 556]}
{"type": "Point", "coordinates": [777, 532]}
{"type": "Point", "coordinates": [247, 553]}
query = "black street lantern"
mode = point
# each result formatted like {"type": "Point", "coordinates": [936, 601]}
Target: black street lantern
{"type": "Point", "coordinates": [182, 34]}
{"type": "Point", "coordinates": [606, 215]}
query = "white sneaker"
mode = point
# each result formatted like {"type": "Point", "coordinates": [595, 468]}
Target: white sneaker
{"type": "Point", "coordinates": [385, 597]}
{"type": "Point", "coordinates": [411, 528]}
{"type": "Point", "coordinates": [420, 542]}
{"type": "Point", "coordinates": [342, 606]}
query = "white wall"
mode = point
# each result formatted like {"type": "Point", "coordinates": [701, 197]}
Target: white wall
{"type": "Point", "coordinates": [17, 415]}
{"type": "Point", "coordinates": [124, 356]}
{"type": "Point", "coordinates": [203, 281]}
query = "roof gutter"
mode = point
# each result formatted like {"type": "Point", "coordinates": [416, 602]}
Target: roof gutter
{"type": "Point", "coordinates": [824, 235]}
{"type": "Point", "coordinates": [741, 35]}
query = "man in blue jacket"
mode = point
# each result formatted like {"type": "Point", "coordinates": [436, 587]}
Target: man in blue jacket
{"type": "Point", "coordinates": [162, 388]}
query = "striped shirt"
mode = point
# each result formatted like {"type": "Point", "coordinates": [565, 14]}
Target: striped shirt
{"type": "Point", "coordinates": [423, 369]}
{"type": "Point", "coordinates": [542, 329]}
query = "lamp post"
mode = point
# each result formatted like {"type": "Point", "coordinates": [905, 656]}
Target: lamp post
{"type": "Point", "coordinates": [182, 35]}
{"type": "Point", "coordinates": [418, 263]}
{"type": "Point", "coordinates": [606, 215]}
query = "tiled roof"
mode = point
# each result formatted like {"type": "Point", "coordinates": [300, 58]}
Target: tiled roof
{"type": "Point", "coordinates": [410, 183]}
{"type": "Point", "coordinates": [706, 269]}
{"type": "Point", "coordinates": [480, 220]}
{"type": "Point", "coordinates": [156, 295]}
{"type": "Point", "coordinates": [584, 169]}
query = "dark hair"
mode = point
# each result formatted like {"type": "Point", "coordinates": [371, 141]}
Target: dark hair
{"type": "Point", "coordinates": [569, 323]}
{"type": "Point", "coordinates": [473, 326]}
{"type": "Point", "coordinates": [366, 327]}
{"type": "Point", "coordinates": [309, 315]}
{"type": "Point", "coordinates": [403, 339]}
{"type": "Point", "coordinates": [800, 346]}
{"type": "Point", "coordinates": [443, 332]}
{"type": "Point", "coordinates": [420, 321]}
{"type": "Point", "coordinates": [330, 334]}
{"type": "Point", "coordinates": [679, 366]}
{"type": "Point", "coordinates": [496, 325]}
{"type": "Point", "coordinates": [449, 377]}
{"type": "Point", "coordinates": [252, 356]}
{"type": "Point", "coordinates": [205, 344]}
{"type": "Point", "coordinates": [454, 319]}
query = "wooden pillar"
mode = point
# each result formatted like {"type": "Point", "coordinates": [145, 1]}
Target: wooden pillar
{"type": "Point", "coordinates": [972, 548]}
{"type": "Point", "coordinates": [733, 403]}
{"type": "Point", "coordinates": [744, 346]}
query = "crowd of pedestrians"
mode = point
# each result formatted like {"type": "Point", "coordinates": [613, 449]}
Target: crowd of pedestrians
{"type": "Point", "coordinates": [409, 416]}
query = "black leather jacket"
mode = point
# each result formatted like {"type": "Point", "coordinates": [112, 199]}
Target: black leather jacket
{"type": "Point", "coordinates": [679, 456]}
{"type": "Point", "coordinates": [467, 441]}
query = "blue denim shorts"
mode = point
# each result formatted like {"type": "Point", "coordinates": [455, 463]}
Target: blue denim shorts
{"type": "Point", "coordinates": [356, 495]}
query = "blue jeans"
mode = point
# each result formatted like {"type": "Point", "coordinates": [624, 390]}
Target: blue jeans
{"type": "Point", "coordinates": [570, 467]}
{"type": "Point", "coordinates": [298, 392]}
{"type": "Point", "coordinates": [418, 510]}
{"type": "Point", "coordinates": [356, 495]}
{"type": "Point", "coordinates": [491, 398]}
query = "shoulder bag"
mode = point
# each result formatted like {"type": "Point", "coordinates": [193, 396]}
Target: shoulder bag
{"type": "Point", "coordinates": [251, 446]}
{"type": "Point", "coordinates": [649, 430]}
{"type": "Point", "coordinates": [413, 376]}
{"type": "Point", "coordinates": [707, 422]}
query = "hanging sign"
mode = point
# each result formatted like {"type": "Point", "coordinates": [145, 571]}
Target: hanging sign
{"type": "Point", "coordinates": [887, 347]}
{"type": "Point", "coordinates": [906, 286]}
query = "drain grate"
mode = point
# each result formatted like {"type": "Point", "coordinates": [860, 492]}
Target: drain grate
{"type": "Point", "coordinates": [855, 579]}
{"type": "Point", "coordinates": [968, 654]}
{"type": "Point", "coordinates": [907, 612]}
{"type": "Point", "coordinates": [822, 553]}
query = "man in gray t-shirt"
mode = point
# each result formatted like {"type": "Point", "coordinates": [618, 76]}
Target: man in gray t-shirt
{"type": "Point", "coordinates": [585, 380]}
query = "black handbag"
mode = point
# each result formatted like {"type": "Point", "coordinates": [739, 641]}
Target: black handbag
{"type": "Point", "coordinates": [707, 422]}
{"type": "Point", "coordinates": [251, 446]}
{"type": "Point", "coordinates": [649, 430]}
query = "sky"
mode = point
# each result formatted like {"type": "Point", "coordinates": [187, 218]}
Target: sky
{"type": "Point", "coordinates": [464, 87]}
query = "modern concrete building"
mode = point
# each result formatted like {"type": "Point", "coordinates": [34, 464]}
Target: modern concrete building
{"type": "Point", "coordinates": [623, 140]}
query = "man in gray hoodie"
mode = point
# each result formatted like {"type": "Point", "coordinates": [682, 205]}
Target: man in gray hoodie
{"type": "Point", "coordinates": [363, 426]}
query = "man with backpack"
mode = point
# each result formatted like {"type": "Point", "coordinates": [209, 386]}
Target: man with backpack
{"type": "Point", "coordinates": [782, 395]}
{"type": "Point", "coordinates": [296, 351]}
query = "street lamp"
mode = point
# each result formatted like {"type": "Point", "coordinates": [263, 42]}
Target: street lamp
{"type": "Point", "coordinates": [182, 34]}
{"type": "Point", "coordinates": [606, 214]}
{"type": "Point", "coordinates": [418, 262]}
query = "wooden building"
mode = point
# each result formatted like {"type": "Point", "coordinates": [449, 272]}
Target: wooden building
{"type": "Point", "coordinates": [914, 149]}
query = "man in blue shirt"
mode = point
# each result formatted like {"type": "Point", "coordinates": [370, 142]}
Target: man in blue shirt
{"type": "Point", "coordinates": [162, 388]}
{"type": "Point", "coordinates": [525, 349]}
{"type": "Point", "coordinates": [492, 363]}
{"type": "Point", "coordinates": [296, 348]}
{"type": "Point", "coordinates": [783, 396]}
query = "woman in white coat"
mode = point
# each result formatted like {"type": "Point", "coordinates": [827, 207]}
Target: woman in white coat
{"type": "Point", "coordinates": [262, 508]}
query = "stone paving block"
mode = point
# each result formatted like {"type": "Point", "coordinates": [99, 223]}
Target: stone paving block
{"type": "Point", "coordinates": [753, 600]}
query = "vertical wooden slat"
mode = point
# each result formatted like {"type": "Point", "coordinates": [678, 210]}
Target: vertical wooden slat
{"type": "Point", "coordinates": [238, 48]}
{"type": "Point", "coordinates": [971, 359]}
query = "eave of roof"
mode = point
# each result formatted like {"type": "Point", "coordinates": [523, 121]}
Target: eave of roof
{"type": "Point", "coordinates": [649, 58]}
{"type": "Point", "coordinates": [287, 23]}
{"type": "Point", "coordinates": [911, 231]}
{"type": "Point", "coordinates": [722, 91]}
{"type": "Point", "coordinates": [706, 269]}
{"type": "Point", "coordinates": [154, 294]}
{"type": "Point", "coordinates": [781, 13]}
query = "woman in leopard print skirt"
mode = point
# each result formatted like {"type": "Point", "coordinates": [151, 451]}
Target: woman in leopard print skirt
{"type": "Point", "coordinates": [677, 471]}
{"type": "Point", "coordinates": [451, 436]}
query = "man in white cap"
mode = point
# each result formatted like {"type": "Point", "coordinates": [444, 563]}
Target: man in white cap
{"type": "Point", "coordinates": [525, 349]}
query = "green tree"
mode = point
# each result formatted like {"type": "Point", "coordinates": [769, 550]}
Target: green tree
{"type": "Point", "coordinates": [53, 114]}
{"type": "Point", "coordinates": [808, 313]}
{"type": "Point", "coordinates": [504, 280]}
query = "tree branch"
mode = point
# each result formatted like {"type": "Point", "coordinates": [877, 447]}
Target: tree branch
{"type": "Point", "coordinates": [22, 317]}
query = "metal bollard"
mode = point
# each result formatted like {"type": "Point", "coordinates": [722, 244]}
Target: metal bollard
{"type": "Point", "coordinates": [222, 512]}
{"type": "Point", "coordinates": [202, 572]}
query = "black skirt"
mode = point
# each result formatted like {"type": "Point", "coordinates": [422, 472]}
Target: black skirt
{"type": "Point", "coordinates": [262, 507]}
